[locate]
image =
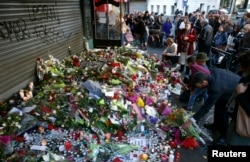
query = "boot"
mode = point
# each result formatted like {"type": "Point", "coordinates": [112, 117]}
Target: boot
{"type": "Point", "coordinates": [182, 68]}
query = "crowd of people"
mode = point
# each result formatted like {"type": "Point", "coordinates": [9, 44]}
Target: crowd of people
{"type": "Point", "coordinates": [189, 47]}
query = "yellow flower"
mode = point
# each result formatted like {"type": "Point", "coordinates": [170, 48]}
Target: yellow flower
{"type": "Point", "coordinates": [138, 55]}
{"type": "Point", "coordinates": [140, 102]}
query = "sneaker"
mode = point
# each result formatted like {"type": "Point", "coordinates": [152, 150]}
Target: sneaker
{"type": "Point", "coordinates": [220, 142]}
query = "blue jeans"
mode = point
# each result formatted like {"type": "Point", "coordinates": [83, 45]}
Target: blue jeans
{"type": "Point", "coordinates": [196, 93]}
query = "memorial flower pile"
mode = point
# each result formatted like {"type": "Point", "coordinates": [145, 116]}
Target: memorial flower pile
{"type": "Point", "coordinates": [96, 99]}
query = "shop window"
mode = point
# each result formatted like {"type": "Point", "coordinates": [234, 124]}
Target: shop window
{"type": "Point", "coordinates": [107, 21]}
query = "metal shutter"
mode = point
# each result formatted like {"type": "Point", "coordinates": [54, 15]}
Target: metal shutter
{"type": "Point", "coordinates": [35, 28]}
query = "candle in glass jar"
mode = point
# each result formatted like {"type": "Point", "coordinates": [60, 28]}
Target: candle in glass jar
{"type": "Point", "coordinates": [44, 142]}
{"type": "Point", "coordinates": [166, 148]}
{"type": "Point", "coordinates": [164, 157]}
{"type": "Point", "coordinates": [67, 145]}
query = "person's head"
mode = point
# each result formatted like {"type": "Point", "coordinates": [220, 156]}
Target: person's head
{"type": "Point", "coordinates": [190, 61]}
{"type": "Point", "coordinates": [221, 28]}
{"type": "Point", "coordinates": [222, 18]}
{"type": "Point", "coordinates": [246, 15]}
{"type": "Point", "coordinates": [169, 41]}
{"type": "Point", "coordinates": [246, 28]}
{"type": "Point", "coordinates": [244, 61]}
{"type": "Point", "coordinates": [204, 22]}
{"type": "Point", "coordinates": [168, 19]}
{"type": "Point", "coordinates": [200, 80]}
{"type": "Point", "coordinates": [188, 25]}
{"type": "Point", "coordinates": [201, 17]}
{"type": "Point", "coordinates": [236, 28]}
{"type": "Point", "coordinates": [185, 19]}
{"type": "Point", "coordinates": [211, 17]}
{"type": "Point", "coordinates": [201, 58]}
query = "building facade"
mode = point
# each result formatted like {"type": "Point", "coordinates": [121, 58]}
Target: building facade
{"type": "Point", "coordinates": [168, 7]}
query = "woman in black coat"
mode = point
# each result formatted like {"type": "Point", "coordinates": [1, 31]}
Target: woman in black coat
{"type": "Point", "coordinates": [242, 98]}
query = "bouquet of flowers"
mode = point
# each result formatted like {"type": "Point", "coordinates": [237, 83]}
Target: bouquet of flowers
{"type": "Point", "coordinates": [173, 124]}
{"type": "Point", "coordinates": [10, 123]}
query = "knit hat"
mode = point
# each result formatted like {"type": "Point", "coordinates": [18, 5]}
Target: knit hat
{"type": "Point", "coordinates": [202, 56]}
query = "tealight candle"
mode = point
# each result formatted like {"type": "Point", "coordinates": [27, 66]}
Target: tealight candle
{"type": "Point", "coordinates": [41, 129]}
{"type": "Point", "coordinates": [44, 142]}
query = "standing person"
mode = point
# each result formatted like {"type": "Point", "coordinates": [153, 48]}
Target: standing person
{"type": "Point", "coordinates": [131, 23]}
{"type": "Point", "coordinates": [121, 24]}
{"type": "Point", "coordinates": [216, 24]}
{"type": "Point", "coordinates": [197, 22]}
{"type": "Point", "coordinates": [220, 86]}
{"type": "Point", "coordinates": [220, 38]}
{"type": "Point", "coordinates": [176, 13]}
{"type": "Point", "coordinates": [232, 40]}
{"type": "Point", "coordinates": [177, 22]}
{"type": "Point", "coordinates": [142, 32]}
{"type": "Point", "coordinates": [244, 42]}
{"type": "Point", "coordinates": [243, 21]}
{"type": "Point", "coordinates": [167, 26]}
{"type": "Point", "coordinates": [185, 40]}
{"type": "Point", "coordinates": [147, 19]}
{"type": "Point", "coordinates": [242, 99]}
{"type": "Point", "coordinates": [158, 22]}
{"type": "Point", "coordinates": [205, 38]}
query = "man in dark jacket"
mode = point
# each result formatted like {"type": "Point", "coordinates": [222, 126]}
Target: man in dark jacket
{"type": "Point", "coordinates": [205, 38]}
{"type": "Point", "coordinates": [220, 86]}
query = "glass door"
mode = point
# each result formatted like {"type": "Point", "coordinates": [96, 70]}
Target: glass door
{"type": "Point", "coordinates": [107, 23]}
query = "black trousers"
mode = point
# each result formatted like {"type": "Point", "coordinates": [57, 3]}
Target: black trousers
{"type": "Point", "coordinates": [221, 118]}
{"type": "Point", "coordinates": [173, 59]}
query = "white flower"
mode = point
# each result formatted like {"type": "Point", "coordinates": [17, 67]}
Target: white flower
{"type": "Point", "coordinates": [9, 118]}
{"type": "Point", "coordinates": [18, 125]}
{"type": "Point", "coordinates": [54, 112]}
{"type": "Point", "coordinates": [4, 124]}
